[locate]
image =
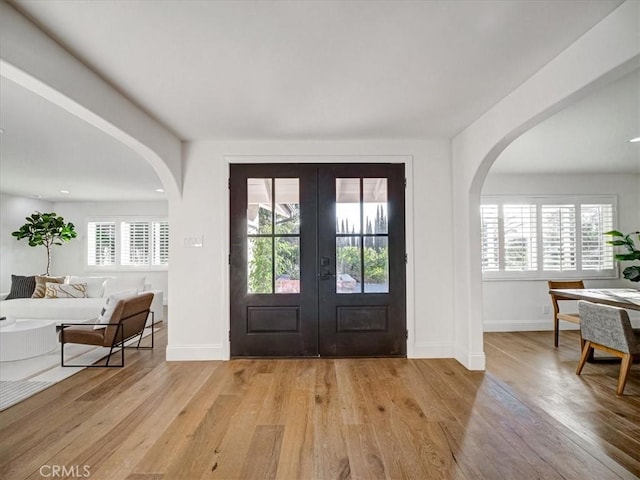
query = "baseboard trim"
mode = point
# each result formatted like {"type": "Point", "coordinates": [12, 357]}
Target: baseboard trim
{"type": "Point", "coordinates": [527, 326]}
{"type": "Point", "coordinates": [186, 353]}
{"type": "Point", "coordinates": [432, 350]}
{"type": "Point", "coordinates": [472, 361]}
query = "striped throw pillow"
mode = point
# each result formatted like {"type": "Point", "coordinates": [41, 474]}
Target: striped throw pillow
{"type": "Point", "coordinates": [21, 286]}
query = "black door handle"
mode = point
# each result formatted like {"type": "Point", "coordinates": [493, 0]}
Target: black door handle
{"type": "Point", "coordinates": [327, 275]}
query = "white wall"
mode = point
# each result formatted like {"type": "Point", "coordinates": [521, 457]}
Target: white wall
{"type": "Point", "coordinates": [518, 305]}
{"type": "Point", "coordinates": [199, 276]}
{"type": "Point", "coordinates": [70, 259]}
{"type": "Point", "coordinates": [17, 257]}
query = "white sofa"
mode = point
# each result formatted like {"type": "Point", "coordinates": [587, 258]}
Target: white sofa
{"type": "Point", "coordinates": [65, 310]}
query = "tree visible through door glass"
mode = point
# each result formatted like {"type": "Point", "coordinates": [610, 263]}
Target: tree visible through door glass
{"type": "Point", "coordinates": [273, 235]}
{"type": "Point", "coordinates": [362, 258]}
{"type": "Point", "coordinates": [376, 246]}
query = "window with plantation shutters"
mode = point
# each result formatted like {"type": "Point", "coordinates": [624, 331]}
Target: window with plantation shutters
{"type": "Point", "coordinates": [128, 243]}
{"type": "Point", "coordinates": [559, 238]}
{"type": "Point", "coordinates": [134, 243]}
{"type": "Point", "coordinates": [101, 243]}
{"type": "Point", "coordinates": [595, 220]}
{"type": "Point", "coordinates": [520, 242]}
{"type": "Point", "coordinates": [490, 238]}
{"type": "Point", "coordinates": [160, 243]}
{"type": "Point", "coordinates": [547, 237]}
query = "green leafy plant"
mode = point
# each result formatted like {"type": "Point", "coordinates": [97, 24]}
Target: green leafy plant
{"type": "Point", "coordinates": [46, 229]}
{"type": "Point", "coordinates": [621, 240]}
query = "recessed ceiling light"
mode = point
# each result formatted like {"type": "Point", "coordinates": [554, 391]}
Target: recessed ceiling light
{"type": "Point", "coordinates": [160, 190]}
{"type": "Point", "coordinates": [1, 130]}
{"type": "Point", "coordinates": [634, 140]}
{"type": "Point", "coordinates": [65, 192]}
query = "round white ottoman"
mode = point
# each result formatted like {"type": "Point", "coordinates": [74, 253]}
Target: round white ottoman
{"type": "Point", "coordinates": [26, 338]}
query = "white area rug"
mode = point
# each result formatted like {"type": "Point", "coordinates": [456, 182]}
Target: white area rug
{"type": "Point", "coordinates": [14, 391]}
{"type": "Point", "coordinates": [23, 378]}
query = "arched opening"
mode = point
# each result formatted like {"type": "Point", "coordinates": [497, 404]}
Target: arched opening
{"type": "Point", "coordinates": [548, 199]}
{"type": "Point", "coordinates": [469, 318]}
{"type": "Point", "coordinates": [160, 166]}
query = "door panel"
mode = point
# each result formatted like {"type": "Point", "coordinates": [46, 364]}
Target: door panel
{"type": "Point", "coordinates": [317, 260]}
{"type": "Point", "coordinates": [273, 260]}
{"type": "Point", "coordinates": [361, 230]}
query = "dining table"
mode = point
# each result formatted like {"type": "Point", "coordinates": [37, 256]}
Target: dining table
{"type": "Point", "coordinates": [627, 298]}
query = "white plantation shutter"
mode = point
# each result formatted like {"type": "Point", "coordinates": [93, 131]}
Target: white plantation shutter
{"type": "Point", "coordinates": [101, 243]}
{"type": "Point", "coordinates": [134, 243]}
{"type": "Point", "coordinates": [546, 237]}
{"type": "Point", "coordinates": [489, 215]}
{"type": "Point", "coordinates": [559, 238]}
{"type": "Point", "coordinates": [520, 238]}
{"type": "Point", "coordinates": [595, 220]}
{"type": "Point", "coordinates": [160, 243]}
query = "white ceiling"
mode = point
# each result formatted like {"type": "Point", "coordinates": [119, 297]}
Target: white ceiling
{"type": "Point", "coordinates": [590, 136]}
{"type": "Point", "coordinates": [45, 149]}
{"type": "Point", "coordinates": [293, 70]}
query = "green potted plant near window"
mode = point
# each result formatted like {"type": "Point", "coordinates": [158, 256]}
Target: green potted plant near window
{"type": "Point", "coordinates": [632, 253]}
{"type": "Point", "coordinates": [46, 229]}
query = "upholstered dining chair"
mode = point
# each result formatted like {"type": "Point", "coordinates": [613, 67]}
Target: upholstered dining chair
{"type": "Point", "coordinates": [127, 320]}
{"type": "Point", "coordinates": [609, 329]}
{"type": "Point", "coordinates": [557, 314]}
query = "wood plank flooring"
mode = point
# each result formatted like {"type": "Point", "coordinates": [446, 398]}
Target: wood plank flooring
{"type": "Point", "coordinates": [527, 417]}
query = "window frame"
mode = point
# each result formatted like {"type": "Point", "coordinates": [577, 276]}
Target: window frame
{"type": "Point", "coordinates": [118, 265]}
{"type": "Point", "coordinates": [539, 200]}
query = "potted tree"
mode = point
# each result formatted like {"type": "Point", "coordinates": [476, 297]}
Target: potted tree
{"type": "Point", "coordinates": [46, 229]}
{"type": "Point", "coordinates": [621, 240]}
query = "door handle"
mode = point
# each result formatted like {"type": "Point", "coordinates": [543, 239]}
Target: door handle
{"type": "Point", "coordinates": [326, 275]}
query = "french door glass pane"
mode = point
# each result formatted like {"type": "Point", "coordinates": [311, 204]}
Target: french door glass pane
{"type": "Point", "coordinates": [375, 205]}
{"type": "Point", "coordinates": [287, 206]}
{"type": "Point", "coordinates": [376, 265]}
{"type": "Point", "coordinates": [362, 235]}
{"type": "Point", "coordinates": [273, 256]}
{"type": "Point", "coordinates": [348, 205]}
{"type": "Point", "coordinates": [260, 265]}
{"type": "Point", "coordinates": [348, 265]}
{"type": "Point", "coordinates": [259, 202]}
{"type": "Point", "coordinates": [287, 265]}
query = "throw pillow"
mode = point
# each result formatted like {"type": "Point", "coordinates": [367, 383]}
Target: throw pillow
{"type": "Point", "coordinates": [41, 285]}
{"type": "Point", "coordinates": [21, 287]}
{"type": "Point", "coordinates": [119, 284]}
{"type": "Point", "coordinates": [65, 290]}
{"type": "Point", "coordinates": [109, 307]}
{"type": "Point", "coordinates": [95, 285]}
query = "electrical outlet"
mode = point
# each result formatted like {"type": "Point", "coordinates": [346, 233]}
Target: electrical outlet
{"type": "Point", "coordinates": [546, 309]}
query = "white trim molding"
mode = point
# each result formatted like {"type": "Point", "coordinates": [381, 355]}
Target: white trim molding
{"type": "Point", "coordinates": [187, 353]}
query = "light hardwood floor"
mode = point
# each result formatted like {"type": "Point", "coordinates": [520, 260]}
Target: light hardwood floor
{"type": "Point", "coordinates": [527, 417]}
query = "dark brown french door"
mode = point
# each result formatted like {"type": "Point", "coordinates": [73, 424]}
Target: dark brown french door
{"type": "Point", "coordinates": [317, 261]}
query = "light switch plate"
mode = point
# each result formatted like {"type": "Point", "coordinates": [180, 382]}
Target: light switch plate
{"type": "Point", "coordinates": [192, 242]}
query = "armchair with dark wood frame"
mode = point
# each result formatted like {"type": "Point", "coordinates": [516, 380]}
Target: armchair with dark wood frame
{"type": "Point", "coordinates": [128, 320]}
{"type": "Point", "coordinates": [557, 314]}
